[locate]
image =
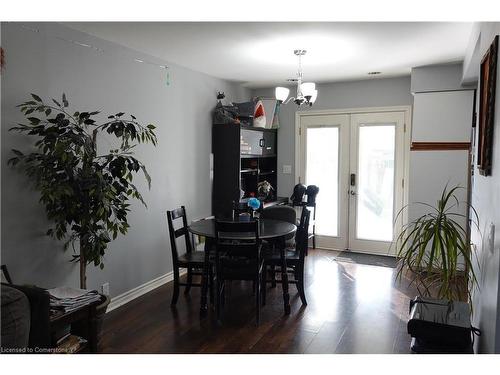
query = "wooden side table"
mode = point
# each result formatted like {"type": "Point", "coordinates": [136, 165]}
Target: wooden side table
{"type": "Point", "coordinates": [85, 323]}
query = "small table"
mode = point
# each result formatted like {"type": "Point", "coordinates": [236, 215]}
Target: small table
{"type": "Point", "coordinates": [275, 230]}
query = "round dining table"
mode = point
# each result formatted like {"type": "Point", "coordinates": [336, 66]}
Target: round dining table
{"type": "Point", "coordinates": [271, 230]}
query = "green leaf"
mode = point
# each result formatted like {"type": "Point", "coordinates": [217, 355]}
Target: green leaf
{"type": "Point", "coordinates": [34, 120]}
{"type": "Point", "coordinates": [36, 97]}
{"type": "Point", "coordinates": [151, 126]}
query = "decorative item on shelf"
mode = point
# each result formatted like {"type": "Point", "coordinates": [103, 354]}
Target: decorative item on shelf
{"type": "Point", "coordinates": [259, 116]}
{"type": "Point", "coordinates": [487, 108]}
{"type": "Point", "coordinates": [225, 114]}
{"type": "Point", "coordinates": [86, 191]}
{"type": "Point", "coordinates": [264, 189]}
{"type": "Point", "coordinates": [245, 112]}
{"type": "Point", "coordinates": [306, 91]}
{"type": "Point", "coordinates": [254, 204]}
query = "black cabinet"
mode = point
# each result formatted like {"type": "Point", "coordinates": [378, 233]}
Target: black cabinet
{"type": "Point", "coordinates": [242, 158]}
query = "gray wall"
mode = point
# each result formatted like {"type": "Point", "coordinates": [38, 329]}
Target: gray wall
{"type": "Point", "coordinates": [436, 77]}
{"type": "Point", "coordinates": [486, 200]}
{"type": "Point", "coordinates": [47, 62]}
{"type": "Point", "coordinates": [442, 112]}
{"type": "Point", "coordinates": [358, 94]}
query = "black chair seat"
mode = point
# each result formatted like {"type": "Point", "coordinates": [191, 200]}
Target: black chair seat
{"type": "Point", "coordinates": [197, 257]}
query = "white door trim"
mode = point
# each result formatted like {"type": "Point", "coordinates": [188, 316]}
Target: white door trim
{"type": "Point", "coordinates": [407, 109]}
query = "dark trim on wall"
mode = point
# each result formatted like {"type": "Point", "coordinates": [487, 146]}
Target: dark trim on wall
{"type": "Point", "coordinates": [439, 146]}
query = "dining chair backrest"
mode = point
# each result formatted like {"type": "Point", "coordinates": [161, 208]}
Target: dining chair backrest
{"type": "Point", "coordinates": [281, 212]}
{"type": "Point", "coordinates": [228, 241]}
{"type": "Point", "coordinates": [240, 208]}
{"type": "Point", "coordinates": [311, 192]}
{"type": "Point", "coordinates": [178, 214]}
{"type": "Point", "coordinates": [298, 194]}
{"type": "Point", "coordinates": [302, 235]}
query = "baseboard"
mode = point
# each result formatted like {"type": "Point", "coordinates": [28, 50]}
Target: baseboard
{"type": "Point", "coordinates": [138, 291]}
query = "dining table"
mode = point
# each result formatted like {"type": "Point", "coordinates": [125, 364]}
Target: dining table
{"type": "Point", "coordinates": [273, 231]}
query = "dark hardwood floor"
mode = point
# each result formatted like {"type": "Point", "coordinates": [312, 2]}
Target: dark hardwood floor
{"type": "Point", "coordinates": [352, 308]}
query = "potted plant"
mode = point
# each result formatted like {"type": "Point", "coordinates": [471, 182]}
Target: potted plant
{"type": "Point", "coordinates": [86, 193]}
{"type": "Point", "coordinates": [434, 250]}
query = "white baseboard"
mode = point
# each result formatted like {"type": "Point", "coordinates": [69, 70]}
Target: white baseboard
{"type": "Point", "coordinates": [136, 292]}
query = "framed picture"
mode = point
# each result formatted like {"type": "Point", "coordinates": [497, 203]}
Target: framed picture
{"type": "Point", "coordinates": [488, 79]}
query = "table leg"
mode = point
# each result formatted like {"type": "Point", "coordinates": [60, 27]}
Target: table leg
{"type": "Point", "coordinates": [204, 278]}
{"type": "Point", "coordinates": [284, 276]}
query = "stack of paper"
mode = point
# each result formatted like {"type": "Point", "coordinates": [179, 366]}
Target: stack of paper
{"type": "Point", "coordinates": [69, 299]}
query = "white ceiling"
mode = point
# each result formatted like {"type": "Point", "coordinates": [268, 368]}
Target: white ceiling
{"type": "Point", "coordinates": [261, 54]}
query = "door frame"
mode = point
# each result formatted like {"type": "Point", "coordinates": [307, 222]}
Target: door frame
{"type": "Point", "coordinates": [406, 109]}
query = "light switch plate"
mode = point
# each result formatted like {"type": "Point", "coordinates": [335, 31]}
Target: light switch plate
{"type": "Point", "coordinates": [287, 169]}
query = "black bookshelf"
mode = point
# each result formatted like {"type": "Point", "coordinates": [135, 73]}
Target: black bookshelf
{"type": "Point", "coordinates": [243, 156]}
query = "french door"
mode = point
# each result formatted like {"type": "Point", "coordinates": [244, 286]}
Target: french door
{"type": "Point", "coordinates": [357, 160]}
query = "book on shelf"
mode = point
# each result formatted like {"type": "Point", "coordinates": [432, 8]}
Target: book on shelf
{"type": "Point", "coordinates": [71, 344]}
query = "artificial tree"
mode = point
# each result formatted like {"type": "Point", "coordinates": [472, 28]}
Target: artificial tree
{"type": "Point", "coordinates": [86, 194]}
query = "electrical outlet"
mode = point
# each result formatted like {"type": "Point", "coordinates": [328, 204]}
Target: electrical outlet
{"type": "Point", "coordinates": [105, 289]}
{"type": "Point", "coordinates": [287, 169]}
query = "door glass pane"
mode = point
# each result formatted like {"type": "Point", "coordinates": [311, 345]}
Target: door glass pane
{"type": "Point", "coordinates": [375, 204]}
{"type": "Point", "coordinates": [323, 171]}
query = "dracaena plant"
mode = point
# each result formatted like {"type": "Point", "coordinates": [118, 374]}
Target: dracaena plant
{"type": "Point", "coordinates": [434, 250]}
{"type": "Point", "coordinates": [86, 192]}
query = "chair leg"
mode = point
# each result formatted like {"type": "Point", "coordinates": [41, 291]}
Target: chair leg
{"type": "Point", "coordinates": [263, 285]}
{"type": "Point", "coordinates": [217, 298]}
{"type": "Point", "coordinates": [300, 285]}
{"type": "Point", "coordinates": [189, 280]}
{"type": "Point", "coordinates": [273, 276]}
{"type": "Point", "coordinates": [257, 298]}
{"type": "Point", "coordinates": [175, 296]}
{"type": "Point", "coordinates": [211, 285]}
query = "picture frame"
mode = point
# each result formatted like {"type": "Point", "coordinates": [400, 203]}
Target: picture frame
{"type": "Point", "coordinates": [488, 76]}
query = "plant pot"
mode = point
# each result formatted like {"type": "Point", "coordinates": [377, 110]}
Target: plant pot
{"type": "Point", "coordinates": [100, 311]}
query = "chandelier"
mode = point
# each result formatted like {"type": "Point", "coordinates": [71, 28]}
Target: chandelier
{"type": "Point", "coordinates": [306, 92]}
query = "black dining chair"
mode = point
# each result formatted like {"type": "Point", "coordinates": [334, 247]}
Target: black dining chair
{"type": "Point", "coordinates": [312, 192]}
{"type": "Point", "coordinates": [283, 213]}
{"type": "Point", "coordinates": [237, 259]}
{"type": "Point", "coordinates": [295, 258]}
{"type": "Point", "coordinates": [192, 260]}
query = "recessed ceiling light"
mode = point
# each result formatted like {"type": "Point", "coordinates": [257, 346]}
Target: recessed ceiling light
{"type": "Point", "coordinates": [374, 73]}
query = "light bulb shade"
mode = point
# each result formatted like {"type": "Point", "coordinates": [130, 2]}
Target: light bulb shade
{"type": "Point", "coordinates": [314, 96]}
{"type": "Point", "coordinates": [308, 88]}
{"type": "Point", "coordinates": [281, 93]}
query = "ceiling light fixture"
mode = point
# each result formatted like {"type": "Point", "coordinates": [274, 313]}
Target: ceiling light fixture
{"type": "Point", "coordinates": [306, 92]}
